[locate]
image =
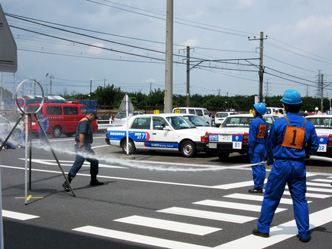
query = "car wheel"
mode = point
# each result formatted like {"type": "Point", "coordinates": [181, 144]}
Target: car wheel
{"type": "Point", "coordinates": [57, 131]}
{"type": "Point", "coordinates": [223, 156]}
{"type": "Point", "coordinates": [131, 146]}
{"type": "Point", "coordinates": [188, 149]}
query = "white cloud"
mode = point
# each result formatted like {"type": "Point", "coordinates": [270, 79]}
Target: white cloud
{"type": "Point", "coordinates": [96, 50]}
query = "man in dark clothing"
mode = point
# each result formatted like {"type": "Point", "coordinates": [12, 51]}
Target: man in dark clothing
{"type": "Point", "coordinates": [84, 139]}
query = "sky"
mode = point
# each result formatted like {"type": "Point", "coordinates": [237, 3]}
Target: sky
{"type": "Point", "coordinates": [79, 45]}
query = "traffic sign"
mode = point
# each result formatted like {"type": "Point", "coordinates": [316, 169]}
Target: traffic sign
{"type": "Point", "coordinates": [21, 102]}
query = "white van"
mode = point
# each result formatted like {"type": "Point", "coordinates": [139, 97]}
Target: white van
{"type": "Point", "coordinates": [199, 111]}
{"type": "Point", "coordinates": [274, 110]}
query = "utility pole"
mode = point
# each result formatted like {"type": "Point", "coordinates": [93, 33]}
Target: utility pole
{"type": "Point", "coordinates": [168, 101]}
{"type": "Point", "coordinates": [188, 73]}
{"type": "Point", "coordinates": [321, 93]}
{"type": "Point", "coordinates": [51, 77]}
{"type": "Point", "coordinates": [90, 91]}
{"type": "Point", "coordinates": [188, 76]}
{"type": "Point", "coordinates": [261, 68]}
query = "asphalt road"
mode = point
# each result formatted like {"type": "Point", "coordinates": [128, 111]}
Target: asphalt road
{"type": "Point", "coordinates": [150, 200]}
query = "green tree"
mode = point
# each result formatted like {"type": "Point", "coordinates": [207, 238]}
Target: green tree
{"type": "Point", "coordinates": [110, 95]}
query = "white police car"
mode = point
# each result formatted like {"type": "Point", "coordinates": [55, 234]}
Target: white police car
{"type": "Point", "coordinates": [159, 132]}
{"type": "Point", "coordinates": [323, 126]}
{"type": "Point", "coordinates": [234, 134]}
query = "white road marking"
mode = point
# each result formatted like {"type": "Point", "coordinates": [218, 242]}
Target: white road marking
{"type": "Point", "coordinates": [256, 197]}
{"type": "Point", "coordinates": [234, 205]}
{"type": "Point", "coordinates": [278, 233]}
{"type": "Point", "coordinates": [311, 195]}
{"type": "Point", "coordinates": [322, 180]}
{"type": "Point", "coordinates": [136, 238]}
{"type": "Point", "coordinates": [70, 163]}
{"type": "Point", "coordinates": [235, 185]}
{"type": "Point", "coordinates": [169, 225]}
{"type": "Point", "coordinates": [240, 219]}
{"type": "Point", "coordinates": [324, 190]}
{"type": "Point", "coordinates": [117, 178]}
{"type": "Point", "coordinates": [317, 184]}
{"type": "Point", "coordinates": [18, 216]}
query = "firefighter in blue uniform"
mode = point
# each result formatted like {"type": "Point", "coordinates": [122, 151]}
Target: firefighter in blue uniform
{"type": "Point", "coordinates": [84, 139]}
{"type": "Point", "coordinates": [257, 142]}
{"type": "Point", "coordinates": [290, 140]}
{"type": "Point", "coordinates": [44, 123]}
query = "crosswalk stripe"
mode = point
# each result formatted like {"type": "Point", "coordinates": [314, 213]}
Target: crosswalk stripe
{"type": "Point", "coordinates": [18, 216]}
{"type": "Point", "coordinates": [311, 195]}
{"type": "Point", "coordinates": [234, 185]}
{"type": "Point", "coordinates": [234, 205]}
{"type": "Point", "coordinates": [136, 238]}
{"type": "Point", "coordinates": [324, 190]}
{"type": "Point", "coordinates": [278, 233]}
{"type": "Point", "coordinates": [256, 198]}
{"type": "Point", "coordinates": [208, 215]}
{"type": "Point", "coordinates": [322, 180]}
{"type": "Point", "coordinates": [318, 184]}
{"type": "Point", "coordinates": [168, 225]}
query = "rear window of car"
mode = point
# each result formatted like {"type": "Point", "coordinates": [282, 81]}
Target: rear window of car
{"type": "Point", "coordinates": [221, 115]}
{"type": "Point", "coordinates": [237, 121]}
{"type": "Point", "coordinates": [321, 122]}
{"type": "Point", "coordinates": [141, 123]}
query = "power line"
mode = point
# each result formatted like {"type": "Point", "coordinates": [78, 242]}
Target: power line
{"type": "Point", "coordinates": [229, 32]}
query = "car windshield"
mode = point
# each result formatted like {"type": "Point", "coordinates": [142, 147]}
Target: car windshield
{"type": "Point", "coordinates": [197, 121]}
{"type": "Point", "coordinates": [321, 122]}
{"type": "Point", "coordinates": [237, 121]}
{"type": "Point", "coordinates": [179, 123]}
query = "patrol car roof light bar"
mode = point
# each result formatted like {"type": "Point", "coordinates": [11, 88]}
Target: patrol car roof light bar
{"type": "Point", "coordinates": [28, 116]}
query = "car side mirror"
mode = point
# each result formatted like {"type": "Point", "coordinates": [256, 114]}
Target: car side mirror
{"type": "Point", "coordinates": [167, 128]}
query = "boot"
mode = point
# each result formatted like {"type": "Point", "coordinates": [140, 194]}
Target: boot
{"type": "Point", "coordinates": [94, 181]}
{"type": "Point", "coordinates": [65, 185]}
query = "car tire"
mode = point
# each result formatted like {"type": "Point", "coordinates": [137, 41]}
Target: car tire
{"type": "Point", "coordinates": [188, 149]}
{"type": "Point", "coordinates": [223, 156]}
{"type": "Point", "coordinates": [57, 131]}
{"type": "Point", "coordinates": [131, 146]}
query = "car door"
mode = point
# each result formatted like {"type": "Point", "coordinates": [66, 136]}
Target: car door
{"type": "Point", "coordinates": [140, 132]}
{"type": "Point", "coordinates": [162, 135]}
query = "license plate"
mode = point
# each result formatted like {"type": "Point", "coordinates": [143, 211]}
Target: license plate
{"type": "Point", "coordinates": [33, 123]}
{"type": "Point", "coordinates": [225, 138]}
{"type": "Point", "coordinates": [213, 145]}
{"type": "Point", "coordinates": [322, 148]}
{"type": "Point", "coordinates": [237, 145]}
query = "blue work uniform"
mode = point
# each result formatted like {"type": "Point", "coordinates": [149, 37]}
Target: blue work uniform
{"type": "Point", "coordinates": [43, 122]}
{"type": "Point", "coordinates": [258, 131]}
{"type": "Point", "coordinates": [289, 149]}
{"type": "Point", "coordinates": [83, 152]}
{"type": "Point", "coordinates": [8, 145]}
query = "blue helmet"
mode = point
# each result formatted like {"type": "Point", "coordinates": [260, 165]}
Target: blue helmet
{"type": "Point", "coordinates": [291, 97]}
{"type": "Point", "coordinates": [260, 108]}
